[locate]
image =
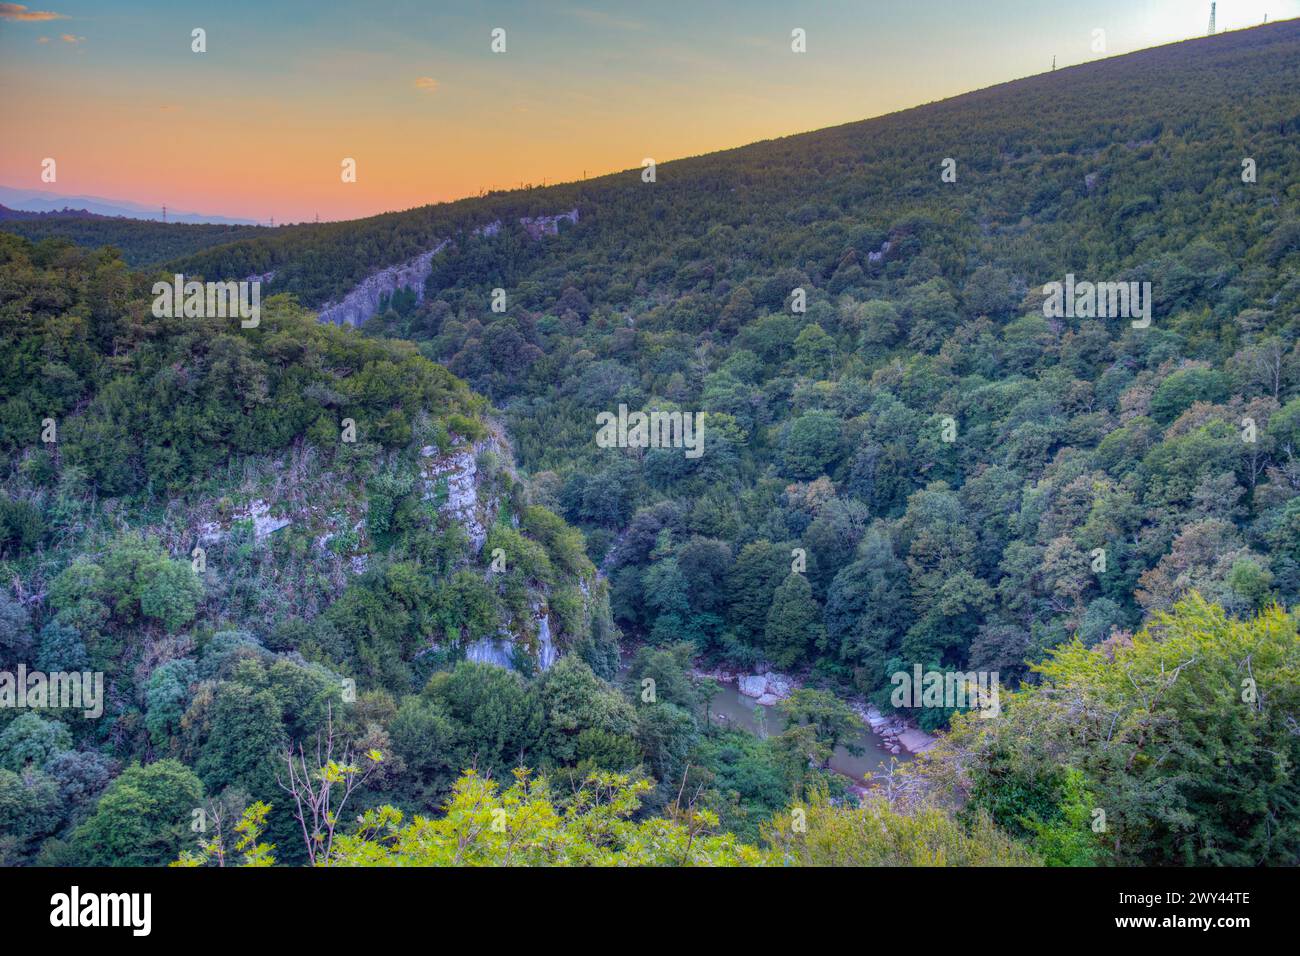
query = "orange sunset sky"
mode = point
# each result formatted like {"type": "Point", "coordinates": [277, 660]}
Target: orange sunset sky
{"type": "Point", "coordinates": [258, 125]}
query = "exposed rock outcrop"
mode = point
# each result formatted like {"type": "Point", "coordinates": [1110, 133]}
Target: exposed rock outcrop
{"type": "Point", "coordinates": [502, 649]}
{"type": "Point", "coordinates": [539, 226]}
{"type": "Point", "coordinates": [458, 468]}
{"type": "Point", "coordinates": [363, 301]}
{"type": "Point", "coordinates": [453, 480]}
{"type": "Point", "coordinates": [257, 511]}
{"type": "Point", "coordinates": [498, 651]}
{"type": "Point", "coordinates": [767, 689]}
{"type": "Point", "coordinates": [896, 733]}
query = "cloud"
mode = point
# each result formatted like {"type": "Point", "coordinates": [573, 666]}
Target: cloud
{"type": "Point", "coordinates": [426, 83]}
{"type": "Point", "coordinates": [16, 11]}
{"type": "Point", "coordinates": [599, 18]}
{"type": "Point", "coordinates": [69, 38]}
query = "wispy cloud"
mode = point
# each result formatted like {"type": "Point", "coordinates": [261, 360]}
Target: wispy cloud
{"type": "Point", "coordinates": [426, 83]}
{"type": "Point", "coordinates": [16, 11]}
{"type": "Point", "coordinates": [69, 38]}
{"type": "Point", "coordinates": [599, 18]}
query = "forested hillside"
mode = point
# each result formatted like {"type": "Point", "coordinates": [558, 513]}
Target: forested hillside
{"type": "Point", "coordinates": [141, 242]}
{"type": "Point", "coordinates": [1105, 514]}
{"type": "Point", "coordinates": [183, 510]}
{"type": "Point", "coordinates": [825, 427]}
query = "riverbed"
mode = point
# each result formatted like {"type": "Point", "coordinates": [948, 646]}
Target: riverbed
{"type": "Point", "coordinates": [730, 708]}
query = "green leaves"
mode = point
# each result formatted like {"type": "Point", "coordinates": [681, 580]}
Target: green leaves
{"type": "Point", "coordinates": [1182, 735]}
{"type": "Point", "coordinates": [524, 825]}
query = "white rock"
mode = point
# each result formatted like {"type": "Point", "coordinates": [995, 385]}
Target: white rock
{"type": "Point", "coordinates": [547, 653]}
{"type": "Point", "coordinates": [263, 524]}
{"type": "Point", "coordinates": [779, 684]}
{"type": "Point", "coordinates": [460, 469]}
{"type": "Point", "coordinates": [257, 511]}
{"type": "Point", "coordinates": [363, 301]}
{"type": "Point", "coordinates": [490, 651]}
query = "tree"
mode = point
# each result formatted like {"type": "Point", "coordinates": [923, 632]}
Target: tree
{"type": "Point", "coordinates": [867, 609]}
{"type": "Point", "coordinates": [15, 628]}
{"type": "Point", "coordinates": [499, 720]}
{"type": "Point", "coordinates": [31, 740]}
{"type": "Point", "coordinates": [520, 826]}
{"type": "Point", "coordinates": [143, 818]}
{"type": "Point", "coordinates": [814, 350]}
{"type": "Point", "coordinates": [880, 322]}
{"type": "Point", "coordinates": [575, 700]}
{"type": "Point", "coordinates": [1184, 736]}
{"type": "Point", "coordinates": [171, 594]}
{"type": "Point", "coordinates": [248, 833]}
{"type": "Point", "coordinates": [243, 732]}
{"type": "Point", "coordinates": [875, 834]}
{"type": "Point", "coordinates": [1177, 392]}
{"type": "Point", "coordinates": [759, 570]}
{"type": "Point", "coordinates": [667, 734]}
{"type": "Point", "coordinates": [812, 444]}
{"type": "Point", "coordinates": [321, 789]}
{"type": "Point", "coordinates": [832, 721]}
{"type": "Point", "coordinates": [30, 810]}
{"type": "Point", "coordinates": [167, 698]}
{"type": "Point", "coordinates": [794, 623]}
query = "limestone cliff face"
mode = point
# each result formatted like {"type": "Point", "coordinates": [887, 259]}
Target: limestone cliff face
{"type": "Point", "coordinates": [453, 476]}
{"type": "Point", "coordinates": [321, 528]}
{"type": "Point", "coordinates": [501, 650]}
{"type": "Point", "coordinates": [363, 301]}
{"type": "Point", "coordinates": [453, 480]}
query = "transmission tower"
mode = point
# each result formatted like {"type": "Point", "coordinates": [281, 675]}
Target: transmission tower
{"type": "Point", "coordinates": [1212, 6]}
{"type": "Point", "coordinates": [164, 212]}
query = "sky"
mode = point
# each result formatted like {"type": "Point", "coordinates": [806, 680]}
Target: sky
{"type": "Point", "coordinates": [259, 125]}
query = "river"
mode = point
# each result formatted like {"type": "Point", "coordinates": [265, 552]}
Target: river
{"type": "Point", "coordinates": [730, 708]}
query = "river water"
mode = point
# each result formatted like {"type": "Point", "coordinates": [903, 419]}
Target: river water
{"type": "Point", "coordinates": [730, 708]}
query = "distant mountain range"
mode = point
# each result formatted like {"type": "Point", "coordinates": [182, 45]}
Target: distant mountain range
{"type": "Point", "coordinates": [41, 201]}
{"type": "Point", "coordinates": [7, 213]}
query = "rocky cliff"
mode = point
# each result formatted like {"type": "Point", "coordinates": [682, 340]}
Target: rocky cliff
{"type": "Point", "coordinates": [363, 301]}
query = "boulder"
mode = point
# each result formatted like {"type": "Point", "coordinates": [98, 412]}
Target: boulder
{"type": "Point", "coordinates": [772, 686]}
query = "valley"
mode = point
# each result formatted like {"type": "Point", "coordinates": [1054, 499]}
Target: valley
{"type": "Point", "coordinates": [509, 498]}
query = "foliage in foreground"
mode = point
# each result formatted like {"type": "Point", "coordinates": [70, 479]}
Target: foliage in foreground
{"type": "Point", "coordinates": [523, 825]}
{"type": "Point", "coordinates": [527, 824]}
{"type": "Point", "coordinates": [1179, 745]}
{"type": "Point", "coordinates": [818, 833]}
